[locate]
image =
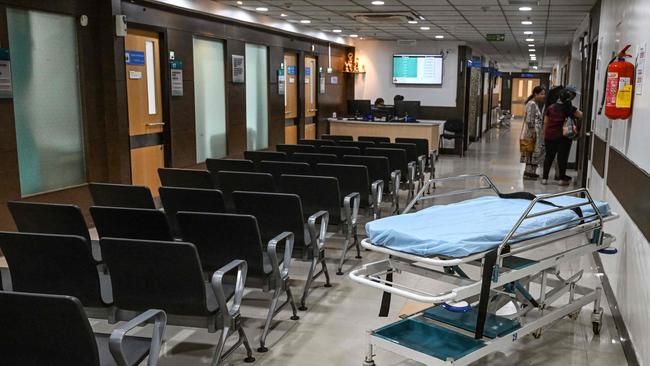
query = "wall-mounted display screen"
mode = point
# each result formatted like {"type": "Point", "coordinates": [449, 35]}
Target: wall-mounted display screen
{"type": "Point", "coordinates": [417, 69]}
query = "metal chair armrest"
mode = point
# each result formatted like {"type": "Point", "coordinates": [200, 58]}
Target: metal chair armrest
{"type": "Point", "coordinates": [318, 240]}
{"type": "Point", "coordinates": [351, 206]}
{"type": "Point", "coordinates": [117, 336]}
{"type": "Point", "coordinates": [280, 273]}
{"type": "Point", "coordinates": [377, 192]}
{"type": "Point", "coordinates": [411, 171]}
{"type": "Point", "coordinates": [217, 286]}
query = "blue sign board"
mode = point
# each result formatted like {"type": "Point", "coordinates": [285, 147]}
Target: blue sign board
{"type": "Point", "coordinates": [475, 63]}
{"type": "Point", "coordinates": [135, 58]}
{"type": "Point", "coordinates": [176, 64]}
{"type": "Point", "coordinates": [307, 71]}
{"type": "Point", "coordinates": [4, 54]}
{"type": "Point", "coordinates": [527, 75]}
{"type": "Point", "coordinates": [291, 70]}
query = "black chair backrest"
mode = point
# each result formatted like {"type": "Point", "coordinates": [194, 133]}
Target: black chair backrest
{"type": "Point", "coordinates": [422, 145]}
{"type": "Point", "coordinates": [233, 165]}
{"type": "Point", "coordinates": [49, 218]}
{"type": "Point", "coordinates": [396, 158]}
{"type": "Point", "coordinates": [454, 125]}
{"type": "Point", "coordinates": [52, 264]}
{"type": "Point", "coordinates": [258, 156]}
{"type": "Point", "coordinates": [337, 137]}
{"type": "Point", "coordinates": [313, 159]}
{"type": "Point", "coordinates": [131, 223]}
{"type": "Point", "coordinates": [121, 195]}
{"type": "Point", "coordinates": [220, 238]}
{"type": "Point", "coordinates": [147, 274]}
{"type": "Point", "coordinates": [176, 199]}
{"type": "Point", "coordinates": [318, 143]}
{"type": "Point", "coordinates": [352, 178]}
{"type": "Point", "coordinates": [362, 145]}
{"type": "Point", "coordinates": [39, 329]}
{"type": "Point", "coordinates": [316, 193]}
{"type": "Point", "coordinates": [275, 213]}
{"type": "Point", "coordinates": [277, 168]}
{"type": "Point", "coordinates": [186, 178]}
{"type": "Point", "coordinates": [378, 166]}
{"type": "Point", "coordinates": [375, 139]}
{"type": "Point", "coordinates": [290, 149]}
{"type": "Point", "coordinates": [411, 149]}
{"type": "Point", "coordinates": [243, 181]}
{"type": "Point", "coordinates": [339, 151]}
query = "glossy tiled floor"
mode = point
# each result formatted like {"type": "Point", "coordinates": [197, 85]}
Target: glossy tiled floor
{"type": "Point", "coordinates": [332, 331]}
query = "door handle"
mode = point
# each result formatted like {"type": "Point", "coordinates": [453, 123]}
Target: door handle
{"type": "Point", "coordinates": [153, 124]}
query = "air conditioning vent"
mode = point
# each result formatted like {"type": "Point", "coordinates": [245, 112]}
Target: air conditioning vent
{"type": "Point", "coordinates": [406, 42]}
{"type": "Point", "coordinates": [384, 17]}
{"type": "Point", "coordinates": [523, 2]}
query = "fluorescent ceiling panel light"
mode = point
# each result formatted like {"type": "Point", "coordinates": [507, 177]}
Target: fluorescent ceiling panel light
{"type": "Point", "coordinates": [354, 35]}
{"type": "Point", "coordinates": [526, 22]}
{"type": "Point", "coordinates": [530, 40]}
{"type": "Point", "coordinates": [413, 22]}
{"type": "Point", "coordinates": [440, 36]}
{"type": "Point", "coordinates": [305, 21]}
{"type": "Point", "coordinates": [336, 30]}
{"type": "Point", "coordinates": [528, 32]}
{"type": "Point", "coordinates": [377, 2]}
{"type": "Point", "coordinates": [425, 28]}
{"type": "Point", "coordinates": [262, 9]}
{"type": "Point", "coordinates": [525, 8]}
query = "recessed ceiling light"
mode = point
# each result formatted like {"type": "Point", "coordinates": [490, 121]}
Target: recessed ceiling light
{"type": "Point", "coordinates": [413, 22]}
{"type": "Point", "coordinates": [526, 22]}
{"type": "Point", "coordinates": [425, 28]}
{"type": "Point", "coordinates": [240, 3]}
{"type": "Point", "coordinates": [421, 17]}
{"type": "Point", "coordinates": [440, 36]}
{"type": "Point", "coordinates": [377, 2]}
{"type": "Point", "coordinates": [305, 21]}
{"type": "Point", "coordinates": [528, 32]}
{"type": "Point", "coordinates": [530, 39]}
{"type": "Point", "coordinates": [283, 15]}
{"type": "Point", "coordinates": [531, 50]}
{"type": "Point", "coordinates": [336, 30]}
{"type": "Point", "coordinates": [531, 45]}
{"type": "Point", "coordinates": [262, 9]}
{"type": "Point", "coordinates": [354, 35]}
{"type": "Point", "coordinates": [525, 8]}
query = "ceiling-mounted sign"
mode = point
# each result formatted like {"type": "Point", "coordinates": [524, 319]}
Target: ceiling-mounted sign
{"type": "Point", "coordinates": [176, 67]}
{"type": "Point", "coordinates": [6, 89]}
{"type": "Point", "coordinates": [134, 58]}
{"type": "Point", "coordinates": [238, 75]}
{"type": "Point", "coordinates": [495, 37]}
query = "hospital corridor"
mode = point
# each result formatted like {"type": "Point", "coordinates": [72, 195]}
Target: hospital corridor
{"type": "Point", "coordinates": [324, 183]}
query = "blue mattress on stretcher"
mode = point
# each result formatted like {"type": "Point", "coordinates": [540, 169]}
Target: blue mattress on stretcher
{"type": "Point", "coordinates": [472, 226]}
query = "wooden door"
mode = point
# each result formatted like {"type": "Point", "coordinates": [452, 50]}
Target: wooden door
{"type": "Point", "coordinates": [290, 97]}
{"type": "Point", "coordinates": [521, 89]}
{"type": "Point", "coordinates": [143, 86]}
{"type": "Point", "coordinates": [310, 97]}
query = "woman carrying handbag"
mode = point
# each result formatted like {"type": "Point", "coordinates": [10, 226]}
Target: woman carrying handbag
{"type": "Point", "coordinates": [531, 141]}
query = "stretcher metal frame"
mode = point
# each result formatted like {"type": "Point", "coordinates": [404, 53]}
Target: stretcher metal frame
{"type": "Point", "coordinates": [499, 282]}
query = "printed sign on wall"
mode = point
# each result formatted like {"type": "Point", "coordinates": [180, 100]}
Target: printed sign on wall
{"type": "Point", "coordinates": [238, 75]}
{"type": "Point", "coordinates": [291, 70]}
{"type": "Point", "coordinates": [6, 90]}
{"type": "Point", "coordinates": [176, 67]}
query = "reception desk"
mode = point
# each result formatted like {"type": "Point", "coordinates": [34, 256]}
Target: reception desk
{"type": "Point", "coordinates": [427, 129]}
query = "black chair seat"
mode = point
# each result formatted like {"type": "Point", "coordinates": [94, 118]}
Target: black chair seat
{"type": "Point", "coordinates": [135, 349]}
{"type": "Point", "coordinates": [339, 151]}
{"type": "Point", "coordinates": [337, 137]}
{"type": "Point", "coordinates": [121, 195]}
{"type": "Point", "coordinates": [375, 139]}
{"type": "Point", "coordinates": [313, 159]}
{"type": "Point", "coordinates": [186, 178]}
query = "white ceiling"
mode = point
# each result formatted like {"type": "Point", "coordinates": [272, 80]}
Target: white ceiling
{"type": "Point", "coordinates": [554, 23]}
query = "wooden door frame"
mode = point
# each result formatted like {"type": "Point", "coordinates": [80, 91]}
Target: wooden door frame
{"type": "Point", "coordinates": [165, 80]}
{"type": "Point", "coordinates": [316, 74]}
{"type": "Point", "coordinates": [300, 104]}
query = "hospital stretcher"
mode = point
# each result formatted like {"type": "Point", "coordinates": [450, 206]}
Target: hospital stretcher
{"type": "Point", "coordinates": [451, 334]}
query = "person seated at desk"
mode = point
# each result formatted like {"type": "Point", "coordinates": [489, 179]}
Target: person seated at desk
{"type": "Point", "coordinates": [379, 103]}
{"type": "Point", "coordinates": [398, 98]}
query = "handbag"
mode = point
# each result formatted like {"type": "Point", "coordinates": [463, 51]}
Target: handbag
{"type": "Point", "coordinates": [570, 130]}
{"type": "Point", "coordinates": [526, 144]}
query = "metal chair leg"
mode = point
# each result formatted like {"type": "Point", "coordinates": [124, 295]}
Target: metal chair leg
{"type": "Point", "coordinates": [292, 302]}
{"type": "Point", "coordinates": [249, 351]}
{"type": "Point", "coordinates": [310, 278]}
{"type": "Point", "coordinates": [327, 274]}
{"type": "Point", "coordinates": [269, 319]}
{"type": "Point", "coordinates": [216, 357]}
{"type": "Point", "coordinates": [346, 245]}
{"type": "Point", "coordinates": [356, 242]}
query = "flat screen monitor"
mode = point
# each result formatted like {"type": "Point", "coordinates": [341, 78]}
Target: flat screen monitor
{"type": "Point", "coordinates": [417, 69]}
{"type": "Point", "coordinates": [408, 108]}
{"type": "Point", "coordinates": [359, 107]}
{"type": "Point", "coordinates": [384, 112]}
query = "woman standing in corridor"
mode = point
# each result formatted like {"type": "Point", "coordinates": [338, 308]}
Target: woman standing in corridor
{"type": "Point", "coordinates": [533, 130]}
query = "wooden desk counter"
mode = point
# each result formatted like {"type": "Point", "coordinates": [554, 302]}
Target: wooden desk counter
{"type": "Point", "coordinates": [428, 129]}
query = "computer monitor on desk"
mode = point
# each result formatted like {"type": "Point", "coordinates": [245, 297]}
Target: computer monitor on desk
{"type": "Point", "coordinates": [407, 109]}
{"type": "Point", "coordinates": [359, 108]}
{"type": "Point", "coordinates": [384, 112]}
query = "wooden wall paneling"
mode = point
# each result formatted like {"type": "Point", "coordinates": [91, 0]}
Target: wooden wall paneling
{"type": "Point", "coordinates": [236, 103]}
{"type": "Point", "coordinates": [276, 100]}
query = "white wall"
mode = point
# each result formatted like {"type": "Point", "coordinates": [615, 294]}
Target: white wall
{"type": "Point", "coordinates": [629, 270]}
{"type": "Point", "coordinates": [377, 56]}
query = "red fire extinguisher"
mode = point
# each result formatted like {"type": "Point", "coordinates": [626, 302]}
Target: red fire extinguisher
{"type": "Point", "coordinates": [619, 87]}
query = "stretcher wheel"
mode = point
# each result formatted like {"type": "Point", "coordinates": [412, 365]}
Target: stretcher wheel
{"type": "Point", "coordinates": [538, 333]}
{"type": "Point", "coordinates": [596, 327]}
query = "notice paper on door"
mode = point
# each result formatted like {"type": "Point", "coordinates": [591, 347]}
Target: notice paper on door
{"type": "Point", "coordinates": [6, 90]}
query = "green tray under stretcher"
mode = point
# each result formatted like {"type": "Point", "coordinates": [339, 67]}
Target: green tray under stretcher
{"type": "Point", "coordinates": [429, 338]}
{"type": "Point", "coordinates": [495, 326]}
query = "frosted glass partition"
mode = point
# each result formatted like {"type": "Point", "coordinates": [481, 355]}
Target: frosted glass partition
{"type": "Point", "coordinates": [257, 133]}
{"type": "Point", "coordinates": [46, 100]}
{"type": "Point", "coordinates": [209, 99]}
